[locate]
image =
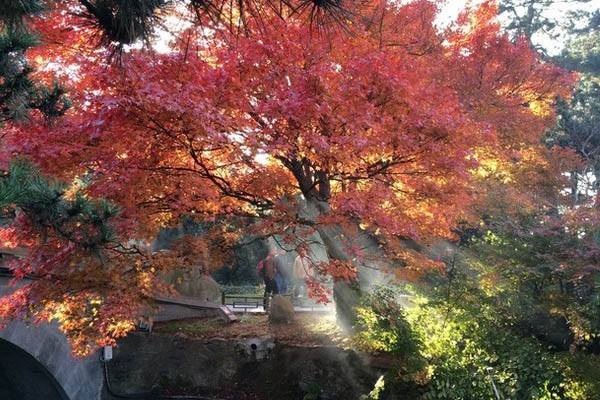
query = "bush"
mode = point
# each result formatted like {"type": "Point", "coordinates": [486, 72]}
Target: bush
{"type": "Point", "coordinates": [381, 326]}
{"type": "Point", "coordinates": [476, 357]}
{"type": "Point", "coordinates": [243, 289]}
{"type": "Point", "coordinates": [456, 352]}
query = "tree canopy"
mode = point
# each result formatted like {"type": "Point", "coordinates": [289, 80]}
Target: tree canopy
{"type": "Point", "coordinates": [389, 127]}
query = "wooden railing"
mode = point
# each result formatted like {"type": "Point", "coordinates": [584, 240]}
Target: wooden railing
{"type": "Point", "coordinates": [245, 302]}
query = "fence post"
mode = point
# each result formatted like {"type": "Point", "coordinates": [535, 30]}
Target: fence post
{"type": "Point", "coordinates": [223, 298]}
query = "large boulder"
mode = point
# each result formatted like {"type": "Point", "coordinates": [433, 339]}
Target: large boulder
{"type": "Point", "coordinates": [281, 311]}
{"type": "Point", "coordinates": [208, 289]}
{"type": "Point", "coordinates": [195, 284]}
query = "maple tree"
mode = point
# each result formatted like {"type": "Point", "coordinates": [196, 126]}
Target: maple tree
{"type": "Point", "coordinates": [380, 129]}
{"type": "Point", "coordinates": [529, 269]}
{"type": "Point", "coordinates": [536, 264]}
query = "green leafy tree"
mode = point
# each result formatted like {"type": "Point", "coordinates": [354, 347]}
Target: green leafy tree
{"type": "Point", "coordinates": [54, 206]}
{"type": "Point", "coordinates": [542, 20]}
{"type": "Point", "coordinates": [578, 118]}
{"type": "Point", "coordinates": [474, 354]}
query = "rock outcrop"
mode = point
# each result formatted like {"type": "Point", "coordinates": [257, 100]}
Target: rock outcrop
{"type": "Point", "coordinates": [250, 368]}
{"type": "Point", "coordinates": [194, 284]}
{"type": "Point", "coordinates": [281, 311]}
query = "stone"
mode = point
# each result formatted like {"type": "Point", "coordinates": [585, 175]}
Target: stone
{"type": "Point", "coordinates": [194, 284]}
{"type": "Point", "coordinates": [273, 370]}
{"type": "Point", "coordinates": [208, 289]}
{"type": "Point", "coordinates": [256, 349]}
{"type": "Point", "coordinates": [38, 356]}
{"type": "Point", "coordinates": [281, 311]}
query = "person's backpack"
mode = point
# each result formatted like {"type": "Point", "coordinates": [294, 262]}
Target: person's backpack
{"type": "Point", "coordinates": [260, 271]}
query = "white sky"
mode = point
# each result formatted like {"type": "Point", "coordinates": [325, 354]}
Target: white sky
{"type": "Point", "coordinates": [558, 11]}
{"type": "Point", "coordinates": [449, 12]}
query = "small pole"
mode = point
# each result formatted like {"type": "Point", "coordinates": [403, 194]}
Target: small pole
{"type": "Point", "coordinates": [223, 298]}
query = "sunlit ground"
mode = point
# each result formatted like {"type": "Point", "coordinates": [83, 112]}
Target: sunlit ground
{"type": "Point", "coordinates": [314, 329]}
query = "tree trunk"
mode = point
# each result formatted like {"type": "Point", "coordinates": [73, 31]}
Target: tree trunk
{"type": "Point", "coordinates": [347, 296]}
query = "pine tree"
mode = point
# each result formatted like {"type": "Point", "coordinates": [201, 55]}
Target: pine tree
{"type": "Point", "coordinates": [578, 122]}
{"type": "Point", "coordinates": [123, 22]}
{"type": "Point", "coordinates": [19, 93]}
{"type": "Point", "coordinates": [538, 20]}
{"type": "Point", "coordinates": [23, 189]}
{"type": "Point", "coordinates": [578, 118]}
{"type": "Point", "coordinates": [56, 207]}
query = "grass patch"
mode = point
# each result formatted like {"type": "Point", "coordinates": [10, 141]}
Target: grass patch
{"type": "Point", "coordinates": [196, 327]}
{"type": "Point", "coordinates": [243, 289]}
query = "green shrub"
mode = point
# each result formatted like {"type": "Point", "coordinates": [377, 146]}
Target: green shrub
{"type": "Point", "coordinates": [381, 326]}
{"type": "Point", "coordinates": [477, 357]}
{"type": "Point", "coordinates": [243, 289]}
{"type": "Point", "coordinates": [469, 353]}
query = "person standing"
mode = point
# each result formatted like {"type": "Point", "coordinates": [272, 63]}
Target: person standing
{"type": "Point", "coordinates": [301, 270]}
{"type": "Point", "coordinates": [282, 273]}
{"type": "Point", "coordinates": [266, 269]}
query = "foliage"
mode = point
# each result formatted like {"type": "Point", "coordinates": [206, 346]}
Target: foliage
{"type": "Point", "coordinates": [117, 24]}
{"type": "Point", "coordinates": [468, 348]}
{"type": "Point", "coordinates": [545, 20]}
{"type": "Point", "coordinates": [243, 270]}
{"type": "Point", "coordinates": [478, 356]}
{"type": "Point", "coordinates": [282, 133]}
{"type": "Point", "coordinates": [20, 94]}
{"type": "Point", "coordinates": [241, 275]}
{"type": "Point", "coordinates": [537, 269]}
{"type": "Point", "coordinates": [541, 263]}
{"type": "Point", "coordinates": [582, 53]}
{"type": "Point", "coordinates": [123, 22]}
{"type": "Point", "coordinates": [538, 264]}
{"type": "Point", "coordinates": [242, 289]}
{"type": "Point", "coordinates": [239, 269]}
{"type": "Point", "coordinates": [579, 117]}
{"type": "Point", "coordinates": [382, 327]}
{"type": "Point", "coordinates": [79, 268]}
{"type": "Point", "coordinates": [48, 206]}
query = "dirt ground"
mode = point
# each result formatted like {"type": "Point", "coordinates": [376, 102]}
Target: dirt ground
{"type": "Point", "coordinates": [308, 329]}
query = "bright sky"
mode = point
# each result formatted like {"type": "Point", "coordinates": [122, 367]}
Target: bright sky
{"type": "Point", "coordinates": [449, 12]}
{"type": "Point", "coordinates": [558, 11]}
